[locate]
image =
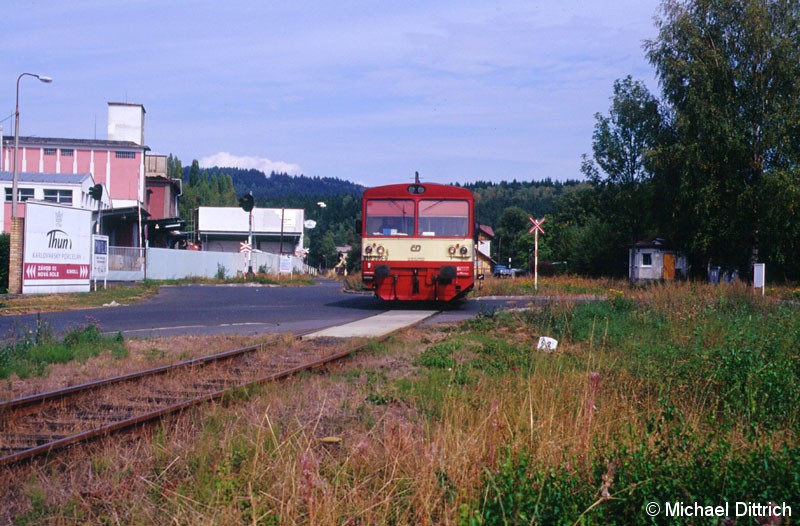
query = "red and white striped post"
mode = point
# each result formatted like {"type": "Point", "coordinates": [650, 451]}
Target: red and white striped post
{"type": "Point", "coordinates": [535, 229]}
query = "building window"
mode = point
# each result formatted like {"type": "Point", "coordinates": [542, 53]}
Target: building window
{"type": "Point", "coordinates": [49, 151]}
{"type": "Point", "coordinates": [58, 196]}
{"type": "Point", "coordinates": [647, 259]}
{"type": "Point", "coordinates": [67, 153]}
{"type": "Point", "coordinates": [126, 155]}
{"type": "Point", "coordinates": [23, 194]}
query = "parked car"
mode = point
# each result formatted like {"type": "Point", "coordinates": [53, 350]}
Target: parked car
{"type": "Point", "coordinates": [502, 271]}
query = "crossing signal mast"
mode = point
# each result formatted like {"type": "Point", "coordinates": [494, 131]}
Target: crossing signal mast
{"type": "Point", "coordinates": [247, 203]}
{"type": "Point", "coordinates": [535, 229]}
{"type": "Point", "coordinates": [96, 193]}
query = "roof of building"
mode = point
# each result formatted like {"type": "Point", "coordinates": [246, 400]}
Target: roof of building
{"type": "Point", "coordinates": [126, 212]}
{"type": "Point", "coordinates": [76, 143]}
{"type": "Point", "coordinates": [132, 104]}
{"type": "Point", "coordinates": [38, 177]}
{"type": "Point", "coordinates": [216, 220]}
{"type": "Point", "coordinates": [162, 179]}
{"type": "Point", "coordinates": [486, 229]}
{"type": "Point", "coordinates": [656, 242]}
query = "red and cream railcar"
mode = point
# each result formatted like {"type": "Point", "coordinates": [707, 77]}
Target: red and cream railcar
{"type": "Point", "coordinates": [417, 241]}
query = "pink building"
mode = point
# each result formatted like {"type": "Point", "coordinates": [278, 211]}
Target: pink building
{"type": "Point", "coordinates": [118, 163]}
{"type": "Point", "coordinates": [65, 189]}
{"type": "Point", "coordinates": [164, 226]}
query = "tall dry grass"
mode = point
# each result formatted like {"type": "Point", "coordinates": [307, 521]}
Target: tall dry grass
{"type": "Point", "coordinates": [392, 438]}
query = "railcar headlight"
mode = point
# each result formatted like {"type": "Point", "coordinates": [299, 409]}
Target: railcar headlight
{"type": "Point", "coordinates": [452, 250]}
{"type": "Point", "coordinates": [368, 250]}
{"type": "Point", "coordinates": [464, 251]}
{"type": "Point", "coordinates": [380, 250]}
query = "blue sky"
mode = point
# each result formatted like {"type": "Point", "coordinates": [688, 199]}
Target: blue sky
{"type": "Point", "coordinates": [365, 91]}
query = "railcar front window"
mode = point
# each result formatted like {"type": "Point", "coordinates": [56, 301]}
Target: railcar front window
{"type": "Point", "coordinates": [443, 218]}
{"type": "Point", "coordinates": [389, 217]}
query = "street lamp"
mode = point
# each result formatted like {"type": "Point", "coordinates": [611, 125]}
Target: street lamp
{"type": "Point", "coordinates": [16, 141]}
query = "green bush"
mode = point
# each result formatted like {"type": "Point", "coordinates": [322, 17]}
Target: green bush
{"type": "Point", "coordinates": [616, 487]}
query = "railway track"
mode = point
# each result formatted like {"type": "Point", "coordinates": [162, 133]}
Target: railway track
{"type": "Point", "coordinates": [39, 424]}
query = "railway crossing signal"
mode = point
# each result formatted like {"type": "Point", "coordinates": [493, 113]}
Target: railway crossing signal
{"type": "Point", "coordinates": [537, 225]}
{"type": "Point", "coordinates": [535, 229]}
{"type": "Point", "coordinates": [247, 202]}
{"type": "Point", "coordinates": [96, 192]}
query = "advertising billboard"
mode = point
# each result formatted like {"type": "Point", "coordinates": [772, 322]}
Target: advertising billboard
{"type": "Point", "coordinates": [58, 248]}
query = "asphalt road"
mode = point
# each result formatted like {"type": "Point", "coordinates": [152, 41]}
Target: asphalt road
{"type": "Point", "coordinates": [239, 309]}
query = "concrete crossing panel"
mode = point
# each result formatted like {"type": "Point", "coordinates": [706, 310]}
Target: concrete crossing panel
{"type": "Point", "coordinates": [374, 326]}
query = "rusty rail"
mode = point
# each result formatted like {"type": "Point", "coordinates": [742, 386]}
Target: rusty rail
{"type": "Point", "coordinates": [63, 395]}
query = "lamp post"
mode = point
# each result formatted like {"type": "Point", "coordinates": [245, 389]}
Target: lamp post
{"type": "Point", "coordinates": [14, 190]}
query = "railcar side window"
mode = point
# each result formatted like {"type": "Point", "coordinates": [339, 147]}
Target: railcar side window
{"type": "Point", "coordinates": [389, 217]}
{"type": "Point", "coordinates": [443, 218]}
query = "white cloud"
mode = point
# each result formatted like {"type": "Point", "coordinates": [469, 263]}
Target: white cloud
{"type": "Point", "coordinates": [228, 160]}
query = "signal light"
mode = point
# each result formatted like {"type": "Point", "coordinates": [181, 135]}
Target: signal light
{"type": "Point", "coordinates": [247, 202]}
{"type": "Point", "coordinates": [96, 192]}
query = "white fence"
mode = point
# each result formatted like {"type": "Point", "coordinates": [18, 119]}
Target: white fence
{"type": "Point", "coordinates": [162, 263]}
{"type": "Point", "coordinates": [125, 258]}
{"type": "Point", "coordinates": [126, 263]}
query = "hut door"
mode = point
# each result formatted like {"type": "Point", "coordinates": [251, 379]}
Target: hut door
{"type": "Point", "coordinates": [669, 266]}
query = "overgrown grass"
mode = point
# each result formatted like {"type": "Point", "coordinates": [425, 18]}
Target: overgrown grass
{"type": "Point", "coordinates": [29, 351]}
{"type": "Point", "coordinates": [566, 285]}
{"type": "Point", "coordinates": [703, 386]}
{"type": "Point", "coordinates": [491, 286]}
{"type": "Point", "coordinates": [669, 393]}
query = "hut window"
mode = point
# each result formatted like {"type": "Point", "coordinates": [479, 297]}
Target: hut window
{"type": "Point", "coordinates": [647, 259]}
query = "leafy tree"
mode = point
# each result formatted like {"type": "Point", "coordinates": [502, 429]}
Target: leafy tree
{"type": "Point", "coordinates": [324, 252]}
{"type": "Point", "coordinates": [572, 233]}
{"type": "Point", "coordinates": [204, 189]}
{"type": "Point", "coordinates": [730, 70]}
{"type": "Point", "coordinates": [514, 241]}
{"type": "Point", "coordinates": [623, 143]}
{"type": "Point", "coordinates": [623, 139]}
{"type": "Point", "coordinates": [174, 168]}
{"type": "Point", "coordinates": [194, 173]}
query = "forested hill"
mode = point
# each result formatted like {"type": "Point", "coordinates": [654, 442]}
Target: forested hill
{"type": "Point", "coordinates": [281, 184]}
{"type": "Point", "coordinates": [534, 197]}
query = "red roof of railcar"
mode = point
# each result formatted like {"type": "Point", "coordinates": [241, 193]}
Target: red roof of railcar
{"type": "Point", "coordinates": [431, 190]}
